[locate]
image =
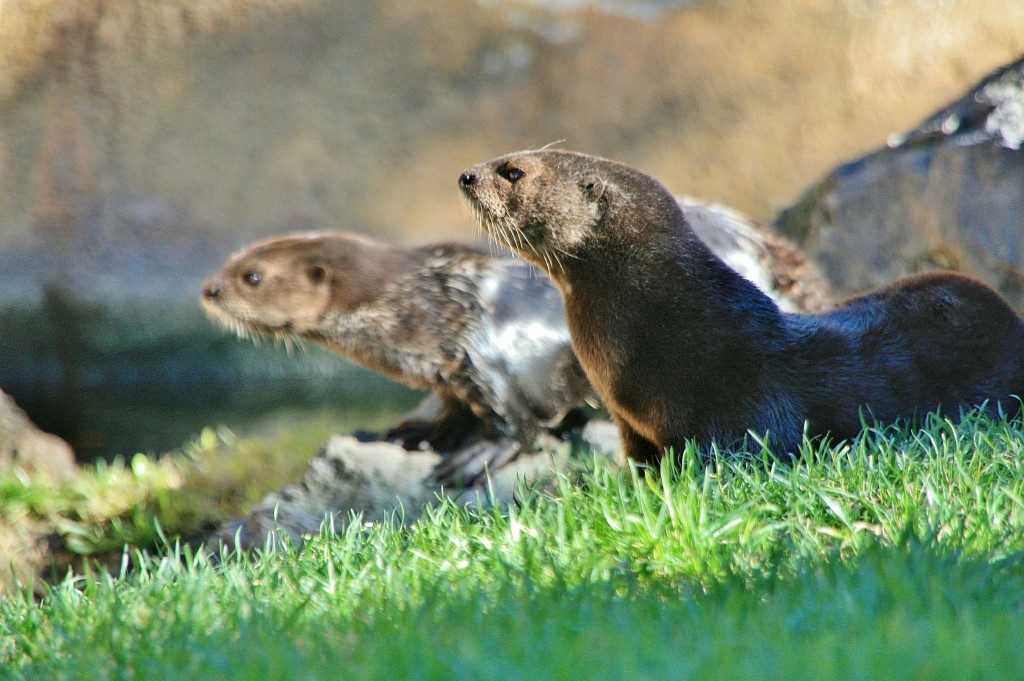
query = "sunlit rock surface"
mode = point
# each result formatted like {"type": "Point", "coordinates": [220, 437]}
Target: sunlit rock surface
{"type": "Point", "coordinates": [947, 194]}
{"type": "Point", "coordinates": [25, 446]}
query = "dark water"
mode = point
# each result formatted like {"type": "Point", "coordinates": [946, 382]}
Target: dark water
{"type": "Point", "coordinates": [118, 381]}
{"type": "Point", "coordinates": [110, 421]}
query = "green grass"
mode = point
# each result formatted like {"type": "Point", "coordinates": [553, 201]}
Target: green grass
{"type": "Point", "coordinates": [217, 475]}
{"type": "Point", "coordinates": [898, 556]}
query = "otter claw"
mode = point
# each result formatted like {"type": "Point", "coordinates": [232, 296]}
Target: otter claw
{"type": "Point", "coordinates": [470, 466]}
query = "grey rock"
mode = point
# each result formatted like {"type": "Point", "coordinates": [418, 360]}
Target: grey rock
{"type": "Point", "coordinates": [993, 111]}
{"type": "Point", "coordinates": [948, 194]}
{"type": "Point", "coordinates": [382, 482]}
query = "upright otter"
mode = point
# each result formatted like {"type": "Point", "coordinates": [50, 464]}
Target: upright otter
{"type": "Point", "coordinates": [487, 334]}
{"type": "Point", "coordinates": [680, 347]}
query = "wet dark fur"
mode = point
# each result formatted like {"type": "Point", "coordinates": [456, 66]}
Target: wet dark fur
{"type": "Point", "coordinates": [679, 347]}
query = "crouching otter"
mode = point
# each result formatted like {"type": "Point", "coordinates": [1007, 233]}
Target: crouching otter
{"type": "Point", "coordinates": [486, 334]}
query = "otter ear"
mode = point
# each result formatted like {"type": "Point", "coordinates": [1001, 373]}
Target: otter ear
{"type": "Point", "coordinates": [316, 273]}
{"type": "Point", "coordinates": [596, 188]}
{"type": "Point", "coordinates": [597, 192]}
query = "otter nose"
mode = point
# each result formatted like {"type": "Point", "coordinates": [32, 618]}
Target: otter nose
{"type": "Point", "coordinates": [466, 179]}
{"type": "Point", "coordinates": [210, 292]}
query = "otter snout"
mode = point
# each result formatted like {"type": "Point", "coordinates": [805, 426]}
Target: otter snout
{"type": "Point", "coordinates": [213, 287]}
{"type": "Point", "coordinates": [467, 179]}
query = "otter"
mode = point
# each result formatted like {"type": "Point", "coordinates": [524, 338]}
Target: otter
{"type": "Point", "coordinates": [680, 348]}
{"type": "Point", "coordinates": [486, 334]}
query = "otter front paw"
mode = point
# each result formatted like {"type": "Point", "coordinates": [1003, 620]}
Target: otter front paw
{"type": "Point", "coordinates": [471, 465]}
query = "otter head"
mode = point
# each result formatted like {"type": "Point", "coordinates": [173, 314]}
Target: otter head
{"type": "Point", "coordinates": [284, 286]}
{"type": "Point", "coordinates": [549, 206]}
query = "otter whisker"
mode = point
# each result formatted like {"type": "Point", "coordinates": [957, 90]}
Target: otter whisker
{"type": "Point", "coordinates": [485, 231]}
{"type": "Point", "coordinates": [516, 234]}
{"type": "Point", "coordinates": [568, 254]}
{"type": "Point", "coordinates": [561, 267]}
{"type": "Point", "coordinates": [545, 256]}
{"type": "Point", "coordinates": [494, 231]}
{"type": "Point", "coordinates": [505, 230]}
{"type": "Point", "coordinates": [505, 236]}
{"type": "Point", "coordinates": [478, 220]}
{"type": "Point", "coordinates": [481, 224]}
{"type": "Point", "coordinates": [520, 236]}
{"type": "Point", "coordinates": [510, 240]}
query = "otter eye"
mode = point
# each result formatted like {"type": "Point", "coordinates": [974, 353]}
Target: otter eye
{"type": "Point", "coordinates": [512, 174]}
{"type": "Point", "coordinates": [252, 277]}
{"type": "Point", "coordinates": [317, 274]}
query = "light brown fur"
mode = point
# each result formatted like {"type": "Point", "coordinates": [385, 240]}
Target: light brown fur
{"type": "Point", "coordinates": [448, 318]}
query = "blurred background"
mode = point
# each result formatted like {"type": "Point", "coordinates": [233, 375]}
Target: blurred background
{"type": "Point", "coordinates": [141, 143]}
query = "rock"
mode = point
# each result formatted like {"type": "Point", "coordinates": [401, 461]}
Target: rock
{"type": "Point", "coordinates": [948, 194]}
{"type": "Point", "coordinates": [23, 559]}
{"type": "Point", "coordinates": [24, 446]}
{"type": "Point", "coordinates": [381, 482]}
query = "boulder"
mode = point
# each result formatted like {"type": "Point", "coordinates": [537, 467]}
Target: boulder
{"type": "Point", "coordinates": [948, 194]}
{"type": "Point", "coordinates": [382, 482]}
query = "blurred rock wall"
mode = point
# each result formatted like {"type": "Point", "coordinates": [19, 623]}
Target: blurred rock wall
{"type": "Point", "coordinates": [141, 142]}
